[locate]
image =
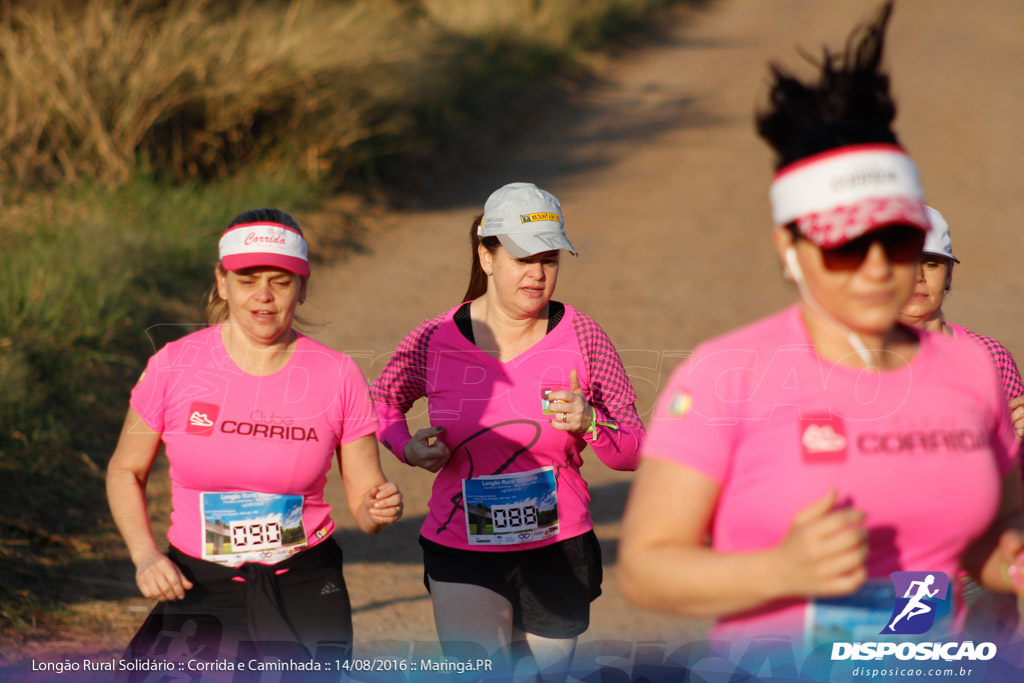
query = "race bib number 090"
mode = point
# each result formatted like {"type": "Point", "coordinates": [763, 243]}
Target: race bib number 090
{"type": "Point", "coordinates": [247, 536]}
{"type": "Point", "coordinates": [248, 526]}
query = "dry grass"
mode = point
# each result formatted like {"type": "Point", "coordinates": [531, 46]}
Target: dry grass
{"type": "Point", "coordinates": [98, 90]}
{"type": "Point", "coordinates": [113, 113]}
{"type": "Point", "coordinates": [184, 86]}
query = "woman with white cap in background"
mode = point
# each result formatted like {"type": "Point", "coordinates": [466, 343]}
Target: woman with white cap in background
{"type": "Point", "coordinates": [924, 310]}
{"type": "Point", "coordinates": [794, 464]}
{"type": "Point", "coordinates": [988, 613]}
{"type": "Point", "coordinates": [518, 385]}
{"type": "Point", "coordinates": [251, 414]}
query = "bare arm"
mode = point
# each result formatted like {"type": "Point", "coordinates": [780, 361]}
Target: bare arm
{"type": "Point", "coordinates": [666, 566]}
{"type": "Point", "coordinates": [157, 577]}
{"type": "Point", "coordinates": [373, 501]}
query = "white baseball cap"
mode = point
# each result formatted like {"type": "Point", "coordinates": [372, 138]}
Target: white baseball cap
{"type": "Point", "coordinates": [938, 241]}
{"type": "Point", "coordinates": [525, 219]}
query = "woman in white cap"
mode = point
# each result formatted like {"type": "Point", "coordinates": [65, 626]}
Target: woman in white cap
{"type": "Point", "coordinates": [518, 385]}
{"type": "Point", "coordinates": [924, 310]}
{"type": "Point", "coordinates": [988, 614]}
{"type": "Point", "coordinates": [251, 414]}
{"type": "Point", "coordinates": [794, 464]}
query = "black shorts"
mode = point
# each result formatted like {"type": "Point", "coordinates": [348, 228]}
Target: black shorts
{"type": "Point", "coordinates": [302, 612]}
{"type": "Point", "coordinates": [550, 587]}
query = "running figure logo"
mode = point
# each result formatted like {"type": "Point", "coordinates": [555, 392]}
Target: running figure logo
{"type": "Point", "coordinates": [202, 418]}
{"type": "Point", "coordinates": [923, 592]}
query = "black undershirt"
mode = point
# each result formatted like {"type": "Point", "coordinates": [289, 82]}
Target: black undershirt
{"type": "Point", "coordinates": [462, 320]}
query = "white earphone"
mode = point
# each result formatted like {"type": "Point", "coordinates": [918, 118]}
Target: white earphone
{"type": "Point", "coordinates": [851, 336]}
{"type": "Point", "coordinates": [793, 264]}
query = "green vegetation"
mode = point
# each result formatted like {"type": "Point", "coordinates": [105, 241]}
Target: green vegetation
{"type": "Point", "coordinates": [97, 91]}
{"type": "Point", "coordinates": [131, 132]}
{"type": "Point", "coordinates": [93, 282]}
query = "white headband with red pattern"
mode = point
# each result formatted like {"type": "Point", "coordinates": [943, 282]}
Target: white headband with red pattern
{"type": "Point", "coordinates": [839, 195]}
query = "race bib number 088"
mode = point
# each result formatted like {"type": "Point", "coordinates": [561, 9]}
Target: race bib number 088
{"type": "Point", "coordinates": [514, 517]}
{"type": "Point", "coordinates": [507, 509]}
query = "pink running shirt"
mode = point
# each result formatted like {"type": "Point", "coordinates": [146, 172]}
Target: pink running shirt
{"type": "Point", "coordinates": [225, 431]}
{"type": "Point", "coordinates": [492, 419]}
{"type": "Point", "coordinates": [921, 450]}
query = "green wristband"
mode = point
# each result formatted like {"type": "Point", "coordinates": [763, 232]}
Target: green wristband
{"type": "Point", "coordinates": [594, 423]}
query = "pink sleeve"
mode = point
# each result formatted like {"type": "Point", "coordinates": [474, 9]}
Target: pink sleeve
{"type": "Point", "coordinates": [400, 384]}
{"type": "Point", "coordinates": [1005, 445]}
{"type": "Point", "coordinates": [148, 395]}
{"type": "Point", "coordinates": [1001, 357]}
{"type": "Point", "coordinates": [356, 413]}
{"type": "Point", "coordinates": [1009, 377]}
{"type": "Point", "coordinates": [693, 423]}
{"type": "Point", "coordinates": [612, 397]}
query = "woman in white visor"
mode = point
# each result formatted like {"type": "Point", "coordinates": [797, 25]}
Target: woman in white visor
{"type": "Point", "coordinates": [251, 415]}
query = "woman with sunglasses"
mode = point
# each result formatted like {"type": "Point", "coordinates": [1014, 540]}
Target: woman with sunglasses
{"type": "Point", "coordinates": [792, 465]}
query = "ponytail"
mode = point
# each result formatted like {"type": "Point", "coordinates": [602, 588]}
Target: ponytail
{"type": "Point", "coordinates": [216, 308]}
{"type": "Point", "coordinates": [477, 277]}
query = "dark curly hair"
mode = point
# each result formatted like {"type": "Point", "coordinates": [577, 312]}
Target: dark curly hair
{"type": "Point", "coordinates": [849, 104]}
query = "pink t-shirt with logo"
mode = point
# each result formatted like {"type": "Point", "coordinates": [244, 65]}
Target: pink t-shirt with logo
{"type": "Point", "coordinates": [494, 426]}
{"type": "Point", "coordinates": [226, 431]}
{"type": "Point", "coordinates": [921, 449]}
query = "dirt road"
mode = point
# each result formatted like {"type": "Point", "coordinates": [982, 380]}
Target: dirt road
{"type": "Point", "coordinates": [664, 187]}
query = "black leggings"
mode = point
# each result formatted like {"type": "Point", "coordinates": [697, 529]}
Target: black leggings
{"type": "Point", "coordinates": [295, 608]}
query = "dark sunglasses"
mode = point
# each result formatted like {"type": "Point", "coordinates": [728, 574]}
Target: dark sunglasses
{"type": "Point", "coordinates": [901, 243]}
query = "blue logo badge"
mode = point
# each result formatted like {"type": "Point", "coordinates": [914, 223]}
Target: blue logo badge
{"type": "Point", "coordinates": [919, 597]}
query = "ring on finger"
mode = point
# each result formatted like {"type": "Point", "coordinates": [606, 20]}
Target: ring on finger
{"type": "Point", "coordinates": [565, 417]}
